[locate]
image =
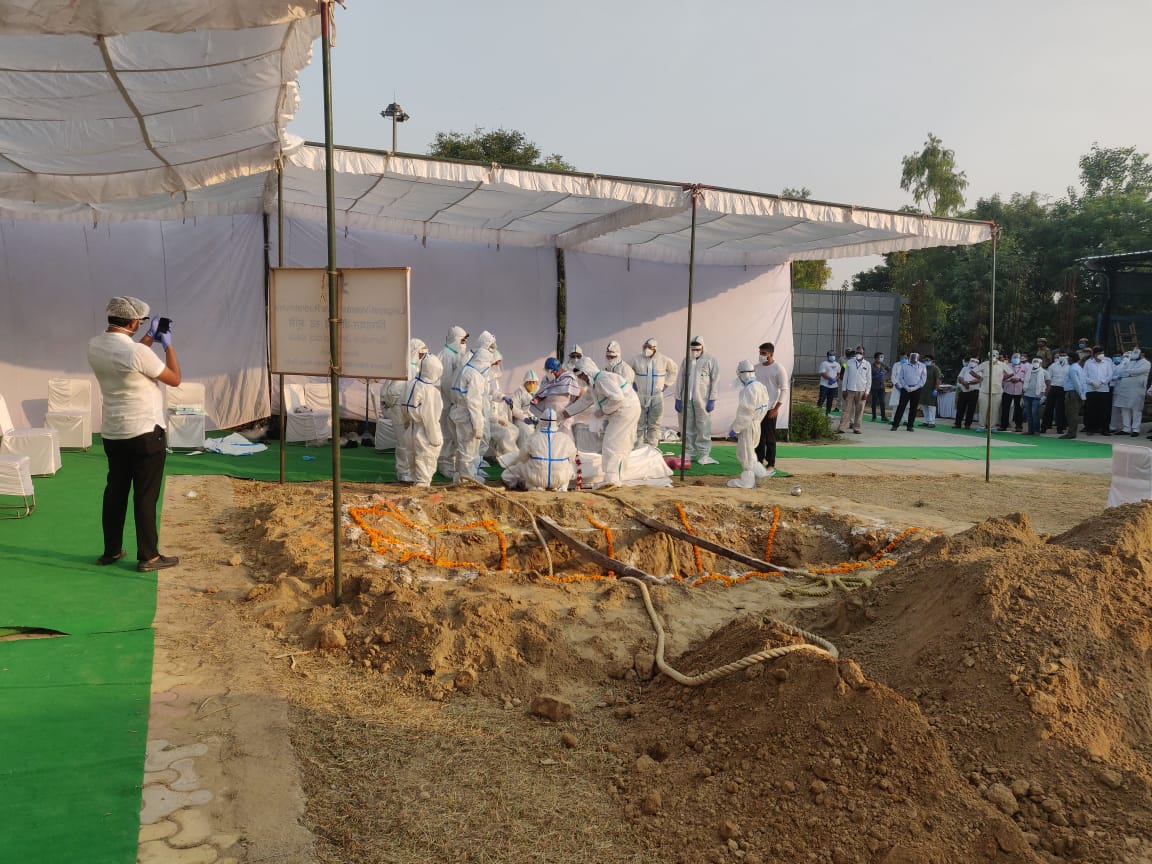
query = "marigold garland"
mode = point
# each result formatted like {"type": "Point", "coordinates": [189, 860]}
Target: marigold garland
{"type": "Point", "coordinates": [695, 549]}
{"type": "Point", "coordinates": [772, 533]}
{"type": "Point", "coordinates": [607, 538]}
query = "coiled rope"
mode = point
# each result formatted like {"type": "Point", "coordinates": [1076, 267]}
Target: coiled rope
{"type": "Point", "coordinates": [812, 643]}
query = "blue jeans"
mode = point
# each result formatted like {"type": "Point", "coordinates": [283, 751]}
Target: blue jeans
{"type": "Point", "coordinates": [1032, 414]}
{"type": "Point", "coordinates": [827, 397]}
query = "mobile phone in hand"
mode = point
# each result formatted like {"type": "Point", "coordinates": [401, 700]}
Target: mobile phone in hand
{"type": "Point", "coordinates": [164, 326]}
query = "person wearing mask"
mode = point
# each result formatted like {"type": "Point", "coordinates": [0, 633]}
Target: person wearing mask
{"type": "Point", "coordinates": [574, 355]}
{"type": "Point", "coordinates": [700, 375]}
{"type": "Point", "coordinates": [879, 373]}
{"type": "Point", "coordinates": [452, 357]}
{"type": "Point", "coordinates": [1082, 346]}
{"type": "Point", "coordinates": [134, 429]}
{"type": "Point", "coordinates": [469, 394]}
{"type": "Point", "coordinates": [967, 391]}
{"type": "Point", "coordinates": [829, 383]}
{"type": "Point", "coordinates": [909, 378]}
{"type": "Point", "coordinates": [1098, 375]}
{"type": "Point", "coordinates": [1053, 414]}
{"type": "Point", "coordinates": [547, 462]}
{"type": "Point", "coordinates": [1043, 352]}
{"type": "Point", "coordinates": [499, 435]}
{"type": "Point", "coordinates": [1075, 392]}
{"type": "Point", "coordinates": [392, 395]}
{"type": "Point", "coordinates": [774, 377]}
{"type": "Point", "coordinates": [930, 392]}
{"type": "Point", "coordinates": [619, 405]}
{"type": "Point", "coordinates": [1033, 391]}
{"type": "Point", "coordinates": [857, 384]}
{"type": "Point", "coordinates": [521, 398]}
{"type": "Point", "coordinates": [750, 411]}
{"type": "Point", "coordinates": [559, 389]}
{"type": "Point", "coordinates": [1128, 399]}
{"type": "Point", "coordinates": [654, 371]}
{"type": "Point", "coordinates": [615, 363]}
{"type": "Point", "coordinates": [894, 396]}
{"type": "Point", "coordinates": [1010, 405]}
{"type": "Point", "coordinates": [991, 374]}
{"type": "Point", "coordinates": [422, 412]}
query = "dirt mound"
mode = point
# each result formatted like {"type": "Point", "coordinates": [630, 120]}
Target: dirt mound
{"type": "Point", "coordinates": [1031, 657]}
{"type": "Point", "coordinates": [761, 763]}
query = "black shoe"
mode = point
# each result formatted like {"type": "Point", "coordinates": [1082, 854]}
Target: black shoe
{"type": "Point", "coordinates": [1134, 434]}
{"type": "Point", "coordinates": [105, 560]}
{"type": "Point", "coordinates": [160, 562]}
{"type": "Point", "coordinates": [1068, 436]}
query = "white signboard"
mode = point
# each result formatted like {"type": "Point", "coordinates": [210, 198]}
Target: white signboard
{"type": "Point", "coordinates": [373, 309]}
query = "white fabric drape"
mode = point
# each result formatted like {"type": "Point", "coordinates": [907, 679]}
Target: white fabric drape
{"type": "Point", "coordinates": [208, 276]}
{"type": "Point", "coordinates": [734, 310]}
{"type": "Point", "coordinates": [509, 291]}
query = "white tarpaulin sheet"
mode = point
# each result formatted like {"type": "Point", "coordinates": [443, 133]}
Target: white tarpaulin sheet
{"type": "Point", "coordinates": [735, 309]}
{"type": "Point", "coordinates": [55, 281]}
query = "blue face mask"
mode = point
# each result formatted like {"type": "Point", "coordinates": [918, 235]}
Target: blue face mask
{"type": "Point", "coordinates": [831, 358]}
{"type": "Point", "coordinates": [1117, 360]}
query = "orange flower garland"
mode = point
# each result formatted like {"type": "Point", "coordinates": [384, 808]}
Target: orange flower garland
{"type": "Point", "coordinates": [772, 533]}
{"type": "Point", "coordinates": [695, 549]}
{"type": "Point", "coordinates": [607, 537]}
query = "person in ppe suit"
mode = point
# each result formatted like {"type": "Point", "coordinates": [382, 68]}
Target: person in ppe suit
{"type": "Point", "coordinates": [547, 461]}
{"type": "Point", "coordinates": [654, 372]}
{"type": "Point", "coordinates": [702, 373]}
{"type": "Point", "coordinates": [620, 406]}
{"type": "Point", "coordinates": [500, 434]}
{"type": "Point", "coordinates": [574, 355]}
{"type": "Point", "coordinates": [616, 364]}
{"type": "Point", "coordinates": [750, 411]}
{"type": "Point", "coordinates": [1128, 400]}
{"type": "Point", "coordinates": [422, 411]}
{"type": "Point", "coordinates": [392, 395]}
{"type": "Point", "coordinates": [452, 356]}
{"type": "Point", "coordinates": [469, 394]}
{"type": "Point", "coordinates": [522, 397]}
{"type": "Point", "coordinates": [558, 390]}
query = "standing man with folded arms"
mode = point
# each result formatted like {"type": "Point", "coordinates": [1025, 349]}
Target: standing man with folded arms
{"type": "Point", "coordinates": [133, 428]}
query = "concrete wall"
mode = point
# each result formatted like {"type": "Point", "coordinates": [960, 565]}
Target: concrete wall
{"type": "Point", "coordinates": [831, 320]}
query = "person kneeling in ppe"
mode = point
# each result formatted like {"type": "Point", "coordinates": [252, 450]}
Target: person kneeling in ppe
{"type": "Point", "coordinates": [703, 374]}
{"type": "Point", "coordinates": [620, 407]}
{"type": "Point", "coordinates": [469, 394]}
{"type": "Point", "coordinates": [547, 462]}
{"type": "Point", "coordinates": [751, 410]}
{"type": "Point", "coordinates": [422, 410]}
{"type": "Point", "coordinates": [653, 371]}
{"type": "Point", "coordinates": [392, 395]}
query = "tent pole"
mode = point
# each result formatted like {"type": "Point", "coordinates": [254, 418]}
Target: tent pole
{"type": "Point", "coordinates": [991, 343]}
{"type": "Point", "coordinates": [688, 335]}
{"type": "Point", "coordinates": [326, 14]}
{"type": "Point", "coordinates": [280, 263]}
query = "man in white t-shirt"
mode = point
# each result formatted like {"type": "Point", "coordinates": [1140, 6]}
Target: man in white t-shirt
{"type": "Point", "coordinates": [133, 426]}
{"type": "Point", "coordinates": [775, 378]}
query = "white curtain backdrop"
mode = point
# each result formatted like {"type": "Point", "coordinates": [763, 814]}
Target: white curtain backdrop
{"type": "Point", "coordinates": [734, 310]}
{"type": "Point", "coordinates": [510, 291]}
{"type": "Point", "coordinates": [207, 275]}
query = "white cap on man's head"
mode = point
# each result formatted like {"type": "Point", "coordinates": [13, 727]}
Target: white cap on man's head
{"type": "Point", "coordinates": [127, 307]}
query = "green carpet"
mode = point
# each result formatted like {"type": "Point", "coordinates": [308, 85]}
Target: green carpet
{"type": "Point", "coordinates": [73, 728]}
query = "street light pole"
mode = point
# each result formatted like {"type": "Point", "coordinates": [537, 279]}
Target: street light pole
{"type": "Point", "coordinates": [397, 114]}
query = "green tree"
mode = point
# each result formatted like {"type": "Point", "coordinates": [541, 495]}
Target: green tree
{"type": "Point", "coordinates": [1114, 170]}
{"type": "Point", "coordinates": [807, 275]}
{"type": "Point", "coordinates": [932, 178]}
{"type": "Point", "coordinates": [503, 146]}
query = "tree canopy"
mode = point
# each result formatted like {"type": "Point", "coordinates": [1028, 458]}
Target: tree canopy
{"type": "Point", "coordinates": [503, 146]}
{"type": "Point", "coordinates": [932, 178]}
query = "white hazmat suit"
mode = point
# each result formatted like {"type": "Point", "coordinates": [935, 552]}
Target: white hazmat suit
{"type": "Point", "coordinates": [616, 364]}
{"type": "Point", "coordinates": [621, 409]}
{"type": "Point", "coordinates": [422, 411]}
{"type": "Point", "coordinates": [452, 356]}
{"type": "Point", "coordinates": [654, 372]}
{"type": "Point", "coordinates": [392, 395]}
{"type": "Point", "coordinates": [547, 460]}
{"type": "Point", "coordinates": [469, 395]}
{"type": "Point", "coordinates": [702, 372]}
{"type": "Point", "coordinates": [753, 405]}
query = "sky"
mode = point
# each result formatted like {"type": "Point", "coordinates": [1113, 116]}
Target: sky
{"type": "Point", "coordinates": [756, 95]}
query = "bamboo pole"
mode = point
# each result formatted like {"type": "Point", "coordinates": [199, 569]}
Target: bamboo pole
{"type": "Point", "coordinates": [617, 567]}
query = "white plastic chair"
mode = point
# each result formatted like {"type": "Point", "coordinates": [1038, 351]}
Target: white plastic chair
{"type": "Point", "coordinates": [40, 445]}
{"type": "Point", "coordinates": [385, 438]}
{"type": "Point", "coordinates": [70, 411]}
{"type": "Point", "coordinates": [308, 412]}
{"type": "Point", "coordinates": [184, 406]}
{"type": "Point", "coordinates": [16, 481]}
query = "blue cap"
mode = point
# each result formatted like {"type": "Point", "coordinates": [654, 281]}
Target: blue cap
{"type": "Point", "coordinates": [552, 364]}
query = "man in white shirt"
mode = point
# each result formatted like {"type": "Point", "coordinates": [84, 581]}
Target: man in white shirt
{"type": "Point", "coordinates": [133, 428]}
{"type": "Point", "coordinates": [829, 383]}
{"type": "Point", "coordinates": [1056, 373]}
{"type": "Point", "coordinates": [857, 385]}
{"type": "Point", "coordinates": [1098, 375]}
{"type": "Point", "coordinates": [909, 379]}
{"type": "Point", "coordinates": [991, 388]}
{"type": "Point", "coordinates": [774, 377]}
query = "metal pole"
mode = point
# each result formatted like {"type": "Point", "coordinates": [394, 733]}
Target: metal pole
{"type": "Point", "coordinates": [393, 133]}
{"type": "Point", "coordinates": [688, 335]}
{"type": "Point", "coordinates": [333, 295]}
{"type": "Point", "coordinates": [280, 263]}
{"type": "Point", "coordinates": [991, 362]}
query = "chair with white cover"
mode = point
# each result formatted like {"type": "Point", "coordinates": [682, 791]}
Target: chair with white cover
{"type": "Point", "coordinates": [16, 481]}
{"type": "Point", "coordinates": [184, 406]}
{"type": "Point", "coordinates": [70, 411]}
{"type": "Point", "coordinates": [1131, 474]}
{"type": "Point", "coordinates": [40, 445]}
{"type": "Point", "coordinates": [385, 438]}
{"type": "Point", "coordinates": [308, 412]}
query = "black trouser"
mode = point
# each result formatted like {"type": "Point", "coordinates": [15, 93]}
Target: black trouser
{"type": "Point", "coordinates": [827, 397]}
{"type": "Point", "coordinates": [1097, 411]}
{"type": "Point", "coordinates": [1053, 410]}
{"type": "Point", "coordinates": [909, 399]}
{"type": "Point", "coordinates": [966, 402]}
{"type": "Point", "coordinates": [1011, 401]}
{"type": "Point", "coordinates": [766, 449]}
{"type": "Point", "coordinates": [878, 395]}
{"type": "Point", "coordinates": [135, 464]}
